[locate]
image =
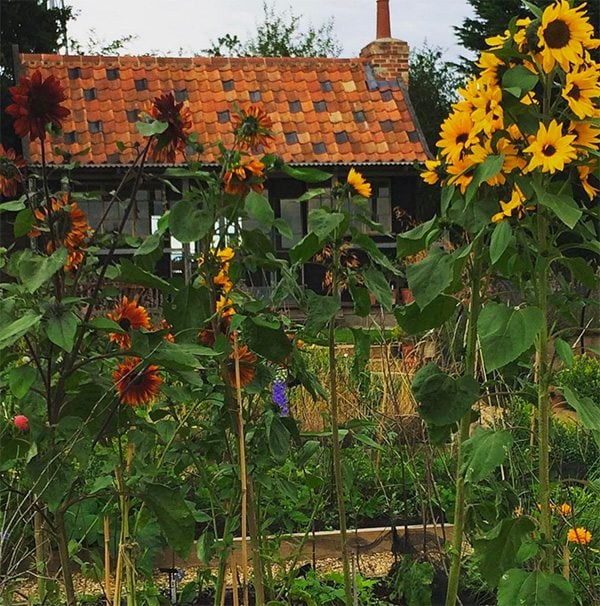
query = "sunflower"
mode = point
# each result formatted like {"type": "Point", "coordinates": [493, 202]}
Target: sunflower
{"type": "Point", "coordinates": [129, 316]}
{"type": "Point", "coordinates": [460, 172]}
{"type": "Point", "coordinates": [164, 325]}
{"type": "Point", "coordinates": [225, 306]}
{"type": "Point", "coordinates": [457, 134]}
{"type": "Point", "coordinates": [247, 361]}
{"type": "Point", "coordinates": [585, 172]}
{"type": "Point", "coordinates": [432, 174]}
{"type": "Point", "coordinates": [563, 34]}
{"type": "Point", "coordinates": [251, 127]}
{"type": "Point", "coordinates": [490, 64]}
{"type": "Point", "coordinates": [136, 384]}
{"type": "Point", "coordinates": [488, 115]}
{"type": "Point", "coordinates": [67, 225]}
{"type": "Point", "coordinates": [245, 175]}
{"type": "Point", "coordinates": [580, 90]}
{"type": "Point", "coordinates": [582, 536]}
{"type": "Point", "coordinates": [11, 174]}
{"type": "Point", "coordinates": [479, 153]}
{"type": "Point", "coordinates": [173, 140]}
{"type": "Point", "coordinates": [225, 255]}
{"type": "Point", "coordinates": [587, 136]}
{"type": "Point", "coordinates": [358, 184]}
{"type": "Point", "coordinates": [550, 149]}
{"type": "Point", "coordinates": [37, 102]}
{"type": "Point", "coordinates": [514, 205]}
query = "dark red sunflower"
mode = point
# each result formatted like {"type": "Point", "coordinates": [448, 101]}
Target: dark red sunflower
{"type": "Point", "coordinates": [67, 225]}
{"type": "Point", "coordinates": [252, 127]}
{"type": "Point", "coordinates": [36, 103]}
{"type": "Point", "coordinates": [167, 144]}
{"type": "Point", "coordinates": [247, 174]}
{"type": "Point", "coordinates": [11, 171]}
{"type": "Point", "coordinates": [247, 367]}
{"type": "Point", "coordinates": [136, 384]}
{"type": "Point", "coordinates": [129, 316]}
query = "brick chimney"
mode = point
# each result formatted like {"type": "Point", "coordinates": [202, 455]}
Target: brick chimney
{"type": "Point", "coordinates": [387, 56]}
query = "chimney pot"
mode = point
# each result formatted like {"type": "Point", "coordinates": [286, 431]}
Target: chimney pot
{"type": "Point", "coordinates": [383, 19]}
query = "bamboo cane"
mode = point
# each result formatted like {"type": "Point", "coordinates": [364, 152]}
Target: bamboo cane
{"type": "Point", "coordinates": [107, 560]}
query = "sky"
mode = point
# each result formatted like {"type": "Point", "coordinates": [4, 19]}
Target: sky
{"type": "Point", "coordinates": [164, 27]}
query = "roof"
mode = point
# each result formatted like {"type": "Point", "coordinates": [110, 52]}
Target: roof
{"type": "Point", "coordinates": [324, 110]}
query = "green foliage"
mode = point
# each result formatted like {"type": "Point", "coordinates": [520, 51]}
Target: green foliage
{"type": "Point", "coordinates": [485, 451]}
{"type": "Point", "coordinates": [411, 581]}
{"type": "Point", "coordinates": [583, 377]}
{"type": "Point", "coordinates": [535, 588]}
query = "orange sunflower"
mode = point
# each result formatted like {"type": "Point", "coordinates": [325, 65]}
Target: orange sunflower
{"type": "Point", "coordinates": [36, 103]}
{"type": "Point", "coordinates": [173, 140]}
{"type": "Point", "coordinates": [11, 173]}
{"type": "Point", "coordinates": [582, 536]}
{"type": "Point", "coordinates": [359, 185]}
{"type": "Point", "coordinates": [129, 316]}
{"type": "Point", "coordinates": [136, 384]}
{"type": "Point", "coordinates": [67, 225]}
{"type": "Point", "coordinates": [247, 367]}
{"type": "Point", "coordinates": [252, 127]}
{"type": "Point", "coordinates": [243, 176]}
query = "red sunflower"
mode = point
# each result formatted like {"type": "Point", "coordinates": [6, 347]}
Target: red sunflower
{"type": "Point", "coordinates": [247, 367]}
{"type": "Point", "coordinates": [67, 225]}
{"type": "Point", "coordinates": [11, 173]}
{"type": "Point", "coordinates": [136, 384]}
{"type": "Point", "coordinates": [174, 139]}
{"type": "Point", "coordinates": [245, 175]}
{"type": "Point", "coordinates": [129, 316]}
{"type": "Point", "coordinates": [252, 127]}
{"type": "Point", "coordinates": [37, 102]}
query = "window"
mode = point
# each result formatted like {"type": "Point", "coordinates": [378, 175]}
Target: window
{"type": "Point", "coordinates": [291, 212]}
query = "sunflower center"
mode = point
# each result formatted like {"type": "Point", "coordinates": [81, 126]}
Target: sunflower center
{"type": "Point", "coordinates": [139, 379]}
{"type": "Point", "coordinates": [462, 138]}
{"type": "Point", "coordinates": [8, 170]}
{"type": "Point", "coordinates": [557, 34]}
{"type": "Point", "coordinates": [575, 92]}
{"type": "Point", "coordinates": [548, 150]}
{"type": "Point", "coordinates": [125, 323]}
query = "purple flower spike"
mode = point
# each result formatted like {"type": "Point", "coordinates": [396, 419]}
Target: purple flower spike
{"type": "Point", "coordinates": [279, 394]}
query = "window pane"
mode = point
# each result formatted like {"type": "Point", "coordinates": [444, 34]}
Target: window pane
{"type": "Point", "coordinates": [291, 212]}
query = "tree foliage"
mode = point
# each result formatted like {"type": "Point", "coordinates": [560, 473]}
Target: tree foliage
{"type": "Point", "coordinates": [280, 35]}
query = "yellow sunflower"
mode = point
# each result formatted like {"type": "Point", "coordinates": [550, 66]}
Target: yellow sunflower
{"type": "Point", "coordinates": [550, 149]}
{"type": "Point", "coordinates": [585, 172]}
{"type": "Point", "coordinates": [488, 115]}
{"type": "Point", "coordinates": [587, 136]}
{"type": "Point", "coordinates": [357, 182]}
{"type": "Point", "coordinates": [457, 134]}
{"type": "Point", "coordinates": [489, 64]}
{"type": "Point", "coordinates": [431, 175]}
{"type": "Point", "coordinates": [514, 205]}
{"type": "Point", "coordinates": [580, 90]}
{"type": "Point", "coordinates": [461, 172]}
{"type": "Point", "coordinates": [563, 34]}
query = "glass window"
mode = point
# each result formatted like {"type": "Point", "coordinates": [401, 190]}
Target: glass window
{"type": "Point", "coordinates": [291, 212]}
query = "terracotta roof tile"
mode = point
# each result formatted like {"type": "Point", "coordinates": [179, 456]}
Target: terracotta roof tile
{"type": "Point", "coordinates": [326, 103]}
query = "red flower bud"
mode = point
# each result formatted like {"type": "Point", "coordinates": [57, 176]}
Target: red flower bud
{"type": "Point", "coordinates": [21, 422]}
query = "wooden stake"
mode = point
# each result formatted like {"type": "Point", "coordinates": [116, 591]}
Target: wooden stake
{"type": "Point", "coordinates": [107, 560]}
{"type": "Point", "coordinates": [234, 584]}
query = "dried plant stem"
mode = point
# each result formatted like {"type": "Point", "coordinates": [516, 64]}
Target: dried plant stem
{"type": "Point", "coordinates": [106, 527]}
{"type": "Point", "coordinates": [41, 553]}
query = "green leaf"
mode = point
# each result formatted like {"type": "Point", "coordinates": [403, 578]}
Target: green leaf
{"type": "Point", "coordinates": [258, 207]}
{"type": "Point", "coordinates": [24, 221]}
{"type": "Point", "coordinates": [430, 277]}
{"type": "Point", "coordinates": [61, 329]}
{"type": "Point", "coordinates": [587, 410]}
{"type": "Point", "coordinates": [562, 205]}
{"type": "Point", "coordinates": [150, 245]}
{"type": "Point", "coordinates": [484, 451]}
{"type": "Point", "coordinates": [173, 515]}
{"type": "Point", "coordinates": [174, 356]}
{"type": "Point", "coordinates": [376, 254]}
{"type": "Point", "coordinates": [496, 551]}
{"type": "Point", "coordinates": [378, 284]}
{"type": "Point", "coordinates": [271, 343]}
{"type": "Point", "coordinates": [489, 168]}
{"type": "Point", "coordinates": [308, 175]}
{"type": "Point", "coordinates": [188, 223]}
{"type": "Point", "coordinates": [321, 310]}
{"type": "Point", "coordinates": [106, 324]}
{"type": "Point", "coordinates": [501, 239]}
{"type": "Point", "coordinates": [535, 588]}
{"type": "Point", "coordinates": [413, 320]}
{"type": "Point", "coordinates": [564, 351]}
{"type": "Point", "coordinates": [306, 249]}
{"type": "Point", "coordinates": [278, 437]}
{"type": "Point", "coordinates": [187, 312]}
{"type": "Point", "coordinates": [12, 205]}
{"type": "Point", "coordinates": [367, 441]}
{"type": "Point", "coordinates": [323, 222]}
{"type": "Point", "coordinates": [15, 330]}
{"type": "Point", "coordinates": [519, 78]}
{"type": "Point", "coordinates": [35, 270]}
{"type": "Point", "coordinates": [362, 350]}
{"type": "Point", "coordinates": [416, 239]}
{"type": "Point", "coordinates": [147, 129]}
{"type": "Point", "coordinates": [361, 299]}
{"type": "Point", "coordinates": [443, 399]}
{"type": "Point", "coordinates": [187, 173]}
{"type": "Point", "coordinates": [20, 380]}
{"type": "Point", "coordinates": [283, 228]}
{"type": "Point", "coordinates": [132, 274]}
{"type": "Point", "coordinates": [505, 332]}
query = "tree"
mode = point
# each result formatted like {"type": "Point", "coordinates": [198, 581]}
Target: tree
{"type": "Point", "coordinates": [492, 16]}
{"type": "Point", "coordinates": [280, 35]}
{"type": "Point", "coordinates": [433, 83]}
{"type": "Point", "coordinates": [36, 29]}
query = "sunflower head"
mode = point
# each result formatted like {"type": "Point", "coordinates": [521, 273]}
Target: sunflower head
{"type": "Point", "coordinates": [11, 171]}
{"type": "Point", "coordinates": [173, 140]}
{"type": "Point", "coordinates": [129, 316]}
{"type": "Point", "coordinates": [358, 184]}
{"type": "Point", "coordinates": [247, 367]}
{"type": "Point", "coordinates": [37, 103]}
{"type": "Point", "coordinates": [244, 175]}
{"type": "Point", "coordinates": [252, 127]}
{"type": "Point", "coordinates": [135, 383]}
